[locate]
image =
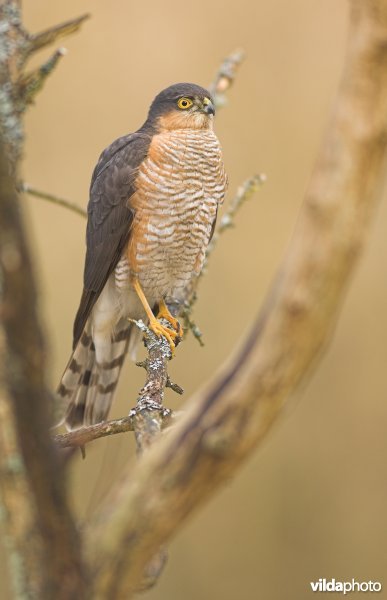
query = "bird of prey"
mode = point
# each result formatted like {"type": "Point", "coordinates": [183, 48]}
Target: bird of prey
{"type": "Point", "coordinates": [154, 197]}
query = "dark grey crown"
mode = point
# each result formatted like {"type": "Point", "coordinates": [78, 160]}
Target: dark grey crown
{"type": "Point", "coordinates": [166, 99]}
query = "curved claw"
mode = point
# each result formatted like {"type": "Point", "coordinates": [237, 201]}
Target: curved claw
{"type": "Point", "coordinates": [169, 334]}
{"type": "Point", "coordinates": [172, 335]}
{"type": "Point", "coordinates": [165, 314]}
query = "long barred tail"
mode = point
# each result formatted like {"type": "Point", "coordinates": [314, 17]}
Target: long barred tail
{"type": "Point", "coordinates": [87, 386]}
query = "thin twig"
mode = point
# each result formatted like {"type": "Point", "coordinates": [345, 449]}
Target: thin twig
{"type": "Point", "coordinates": [29, 84]}
{"type": "Point", "coordinates": [244, 193]}
{"type": "Point", "coordinates": [50, 36]}
{"type": "Point", "coordinates": [225, 77]}
{"type": "Point", "coordinates": [25, 187]}
{"type": "Point", "coordinates": [84, 435]}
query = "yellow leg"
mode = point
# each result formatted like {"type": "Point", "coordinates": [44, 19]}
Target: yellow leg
{"type": "Point", "coordinates": [154, 324]}
{"type": "Point", "coordinates": [165, 314]}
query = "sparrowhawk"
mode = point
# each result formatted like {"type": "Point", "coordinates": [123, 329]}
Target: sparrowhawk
{"type": "Point", "coordinates": [154, 197]}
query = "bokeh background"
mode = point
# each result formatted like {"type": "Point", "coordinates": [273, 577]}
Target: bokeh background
{"type": "Point", "coordinates": [311, 502]}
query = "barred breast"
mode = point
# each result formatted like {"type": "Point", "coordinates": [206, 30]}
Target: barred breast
{"type": "Point", "coordinates": [179, 187]}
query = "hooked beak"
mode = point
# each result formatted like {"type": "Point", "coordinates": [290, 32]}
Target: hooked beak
{"type": "Point", "coordinates": [208, 107]}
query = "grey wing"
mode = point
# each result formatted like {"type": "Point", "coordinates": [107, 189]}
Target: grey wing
{"type": "Point", "coordinates": [109, 217]}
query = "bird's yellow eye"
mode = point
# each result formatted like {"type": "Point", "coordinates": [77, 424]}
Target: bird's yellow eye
{"type": "Point", "coordinates": [184, 103]}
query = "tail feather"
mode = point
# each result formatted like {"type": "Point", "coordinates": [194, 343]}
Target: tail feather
{"type": "Point", "coordinates": [87, 386]}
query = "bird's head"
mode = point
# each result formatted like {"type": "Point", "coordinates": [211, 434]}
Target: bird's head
{"type": "Point", "coordinates": [182, 106]}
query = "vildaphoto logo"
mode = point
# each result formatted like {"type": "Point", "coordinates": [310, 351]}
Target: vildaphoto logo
{"type": "Point", "coordinates": [345, 587]}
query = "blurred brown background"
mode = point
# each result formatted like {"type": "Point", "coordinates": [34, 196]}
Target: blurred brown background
{"type": "Point", "coordinates": [311, 502]}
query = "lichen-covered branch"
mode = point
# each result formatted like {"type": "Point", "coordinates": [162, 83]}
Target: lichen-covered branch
{"type": "Point", "coordinates": [85, 435]}
{"type": "Point", "coordinates": [226, 420]}
{"type": "Point", "coordinates": [149, 413]}
{"type": "Point", "coordinates": [17, 89]}
{"type": "Point", "coordinates": [149, 417]}
{"type": "Point", "coordinates": [12, 44]}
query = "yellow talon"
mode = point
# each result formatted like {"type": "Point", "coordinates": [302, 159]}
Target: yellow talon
{"type": "Point", "coordinates": [154, 324]}
{"type": "Point", "coordinates": [165, 314]}
{"type": "Point", "coordinates": [160, 329]}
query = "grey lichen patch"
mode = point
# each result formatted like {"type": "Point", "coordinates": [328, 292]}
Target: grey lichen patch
{"type": "Point", "coordinates": [10, 18]}
{"type": "Point", "coordinates": [156, 364]}
{"type": "Point", "coordinates": [7, 44]}
{"type": "Point", "coordinates": [12, 12]}
{"type": "Point", "coordinates": [10, 120]}
{"type": "Point", "coordinates": [8, 113]}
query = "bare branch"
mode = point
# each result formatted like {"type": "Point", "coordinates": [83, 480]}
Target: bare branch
{"type": "Point", "coordinates": [50, 36]}
{"type": "Point", "coordinates": [17, 89]}
{"type": "Point", "coordinates": [84, 435]}
{"type": "Point", "coordinates": [30, 84]}
{"type": "Point", "coordinates": [226, 420]}
{"type": "Point", "coordinates": [225, 77]}
{"type": "Point", "coordinates": [25, 187]}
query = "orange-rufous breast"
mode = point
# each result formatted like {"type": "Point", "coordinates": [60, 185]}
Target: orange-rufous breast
{"type": "Point", "coordinates": [178, 189]}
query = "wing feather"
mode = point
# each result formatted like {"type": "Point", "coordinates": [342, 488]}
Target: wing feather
{"type": "Point", "coordinates": [109, 217]}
